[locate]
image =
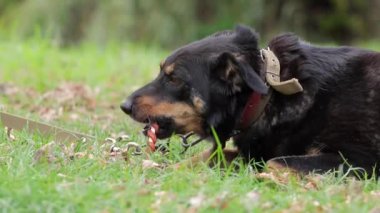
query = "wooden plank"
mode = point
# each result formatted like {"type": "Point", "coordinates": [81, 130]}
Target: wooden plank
{"type": "Point", "coordinates": [59, 134]}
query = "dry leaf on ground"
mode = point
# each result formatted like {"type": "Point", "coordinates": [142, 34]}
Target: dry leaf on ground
{"type": "Point", "coordinates": [70, 94]}
{"type": "Point", "coordinates": [197, 201]}
{"type": "Point", "coordinates": [277, 177]}
{"type": "Point", "coordinates": [149, 164]}
{"type": "Point", "coordinates": [161, 198]}
{"type": "Point", "coordinates": [8, 89]}
{"type": "Point", "coordinates": [46, 153]}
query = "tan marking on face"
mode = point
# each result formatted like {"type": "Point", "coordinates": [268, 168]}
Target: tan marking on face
{"type": "Point", "coordinates": [184, 116]}
{"type": "Point", "coordinates": [230, 71]}
{"type": "Point", "coordinates": [199, 104]}
{"type": "Point", "coordinates": [169, 69]}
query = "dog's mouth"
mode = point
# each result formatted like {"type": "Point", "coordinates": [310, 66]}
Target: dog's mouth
{"type": "Point", "coordinates": [165, 126]}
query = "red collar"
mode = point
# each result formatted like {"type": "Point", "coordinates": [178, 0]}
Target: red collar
{"type": "Point", "coordinates": [256, 103]}
{"type": "Point", "coordinates": [253, 109]}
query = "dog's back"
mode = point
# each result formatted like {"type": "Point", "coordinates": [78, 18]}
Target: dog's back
{"type": "Point", "coordinates": [353, 126]}
{"type": "Point", "coordinates": [337, 115]}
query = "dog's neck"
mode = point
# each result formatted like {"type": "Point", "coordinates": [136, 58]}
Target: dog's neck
{"type": "Point", "coordinates": [256, 102]}
{"type": "Point", "coordinates": [253, 109]}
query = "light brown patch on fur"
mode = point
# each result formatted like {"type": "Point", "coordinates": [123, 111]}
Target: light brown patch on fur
{"type": "Point", "coordinates": [162, 64]}
{"type": "Point", "coordinates": [230, 71]}
{"type": "Point", "coordinates": [169, 69]}
{"type": "Point", "coordinates": [184, 115]}
{"type": "Point", "coordinates": [313, 151]}
{"type": "Point", "coordinates": [199, 104]}
{"type": "Point", "coordinates": [231, 74]}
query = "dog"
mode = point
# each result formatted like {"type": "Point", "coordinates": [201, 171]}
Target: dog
{"type": "Point", "coordinates": [322, 114]}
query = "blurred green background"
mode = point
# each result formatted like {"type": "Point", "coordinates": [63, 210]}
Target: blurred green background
{"type": "Point", "coordinates": [169, 23]}
{"type": "Point", "coordinates": [72, 62]}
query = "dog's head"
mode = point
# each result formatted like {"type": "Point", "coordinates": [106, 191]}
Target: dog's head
{"type": "Point", "coordinates": [202, 84]}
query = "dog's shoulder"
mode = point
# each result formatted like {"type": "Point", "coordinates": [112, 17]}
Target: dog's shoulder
{"type": "Point", "coordinates": [320, 70]}
{"type": "Point", "coordinates": [285, 43]}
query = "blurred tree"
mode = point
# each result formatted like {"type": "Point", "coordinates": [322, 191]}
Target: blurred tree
{"type": "Point", "coordinates": [77, 15]}
{"type": "Point", "coordinates": [172, 22]}
{"type": "Point", "coordinates": [340, 20]}
{"type": "Point", "coordinates": [6, 4]}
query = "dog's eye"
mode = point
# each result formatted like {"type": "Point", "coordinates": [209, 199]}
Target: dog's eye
{"type": "Point", "coordinates": [174, 80]}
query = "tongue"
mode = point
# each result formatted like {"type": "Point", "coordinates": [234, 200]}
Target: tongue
{"type": "Point", "coordinates": [152, 138]}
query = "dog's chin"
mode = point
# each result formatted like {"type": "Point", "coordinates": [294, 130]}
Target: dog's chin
{"type": "Point", "coordinates": [166, 126]}
{"type": "Point", "coordinates": [163, 134]}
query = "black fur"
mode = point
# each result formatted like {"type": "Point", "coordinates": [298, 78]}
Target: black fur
{"type": "Point", "coordinates": [337, 115]}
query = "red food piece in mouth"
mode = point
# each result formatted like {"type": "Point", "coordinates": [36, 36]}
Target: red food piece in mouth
{"type": "Point", "coordinates": [152, 137]}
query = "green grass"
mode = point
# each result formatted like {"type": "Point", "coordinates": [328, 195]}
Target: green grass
{"type": "Point", "coordinates": [98, 183]}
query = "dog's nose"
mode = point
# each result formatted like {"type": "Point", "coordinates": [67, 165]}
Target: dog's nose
{"type": "Point", "coordinates": [127, 106]}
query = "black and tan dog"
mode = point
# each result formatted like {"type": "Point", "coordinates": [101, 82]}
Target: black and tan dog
{"type": "Point", "coordinates": [323, 111]}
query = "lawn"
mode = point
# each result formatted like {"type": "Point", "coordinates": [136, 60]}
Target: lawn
{"type": "Point", "coordinates": [80, 88]}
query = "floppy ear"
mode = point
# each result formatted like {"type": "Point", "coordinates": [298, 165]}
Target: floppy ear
{"type": "Point", "coordinates": [237, 72]}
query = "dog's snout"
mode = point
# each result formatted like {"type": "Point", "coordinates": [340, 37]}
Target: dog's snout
{"type": "Point", "coordinates": [127, 106]}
